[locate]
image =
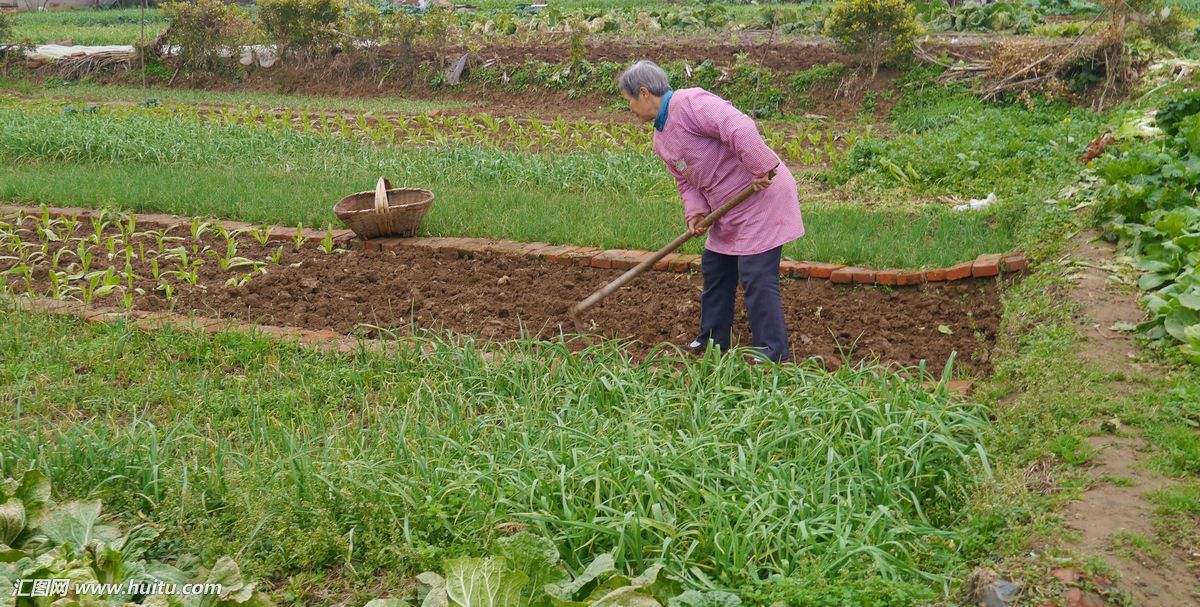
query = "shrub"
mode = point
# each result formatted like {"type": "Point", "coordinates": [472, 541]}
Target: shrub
{"type": "Point", "coordinates": [300, 26]}
{"type": "Point", "coordinates": [878, 30]}
{"type": "Point", "coordinates": [363, 22]}
{"type": "Point", "coordinates": [208, 33]}
{"type": "Point", "coordinates": [6, 27]}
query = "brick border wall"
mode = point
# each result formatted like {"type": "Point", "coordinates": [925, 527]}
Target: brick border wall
{"type": "Point", "coordinates": [984, 266]}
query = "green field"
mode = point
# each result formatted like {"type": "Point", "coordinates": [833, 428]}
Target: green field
{"type": "Point", "coordinates": [453, 470]}
{"type": "Point", "coordinates": [876, 217]}
{"type": "Point", "coordinates": [397, 461]}
{"type": "Point", "coordinates": [88, 26]}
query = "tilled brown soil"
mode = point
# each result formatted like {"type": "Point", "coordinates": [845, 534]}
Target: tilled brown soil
{"type": "Point", "coordinates": [499, 298]}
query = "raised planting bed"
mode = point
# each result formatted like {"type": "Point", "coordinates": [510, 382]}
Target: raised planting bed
{"type": "Point", "coordinates": [274, 277]}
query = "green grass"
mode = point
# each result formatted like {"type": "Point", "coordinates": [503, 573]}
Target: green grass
{"type": "Point", "coordinates": [300, 462]}
{"type": "Point", "coordinates": [948, 143]}
{"type": "Point", "coordinates": [85, 91]}
{"type": "Point", "coordinates": [88, 26]}
{"type": "Point", "coordinates": [130, 159]}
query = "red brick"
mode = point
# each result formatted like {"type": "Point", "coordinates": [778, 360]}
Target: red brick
{"type": "Point", "coordinates": [560, 254]}
{"type": "Point", "coordinates": [470, 246]}
{"type": "Point", "coordinates": [842, 275]}
{"type": "Point", "coordinates": [453, 244]}
{"type": "Point", "coordinates": [233, 225]}
{"type": "Point", "coordinates": [1014, 262]}
{"type": "Point", "coordinates": [910, 278]}
{"type": "Point", "coordinates": [864, 276]}
{"type": "Point", "coordinates": [683, 263]}
{"type": "Point", "coordinates": [507, 247]}
{"type": "Point", "coordinates": [935, 275]}
{"type": "Point", "coordinates": [621, 259]}
{"type": "Point", "coordinates": [823, 270]}
{"type": "Point", "coordinates": [531, 249]}
{"type": "Point", "coordinates": [887, 277]}
{"type": "Point", "coordinates": [73, 212]}
{"type": "Point", "coordinates": [601, 260]}
{"type": "Point", "coordinates": [281, 233]}
{"type": "Point", "coordinates": [664, 264]}
{"type": "Point", "coordinates": [582, 256]}
{"type": "Point", "coordinates": [552, 250]}
{"type": "Point", "coordinates": [795, 269]}
{"type": "Point", "coordinates": [985, 266]}
{"type": "Point", "coordinates": [959, 271]}
{"type": "Point", "coordinates": [432, 243]}
{"type": "Point", "coordinates": [383, 244]}
{"type": "Point", "coordinates": [163, 221]}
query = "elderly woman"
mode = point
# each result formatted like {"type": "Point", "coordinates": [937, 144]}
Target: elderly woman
{"type": "Point", "coordinates": [714, 151]}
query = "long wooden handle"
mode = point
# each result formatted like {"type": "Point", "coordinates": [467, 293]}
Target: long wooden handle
{"type": "Point", "coordinates": [648, 263]}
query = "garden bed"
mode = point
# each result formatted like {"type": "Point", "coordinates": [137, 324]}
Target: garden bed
{"type": "Point", "coordinates": [205, 269]}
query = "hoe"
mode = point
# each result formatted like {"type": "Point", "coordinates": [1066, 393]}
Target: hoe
{"type": "Point", "coordinates": [610, 288]}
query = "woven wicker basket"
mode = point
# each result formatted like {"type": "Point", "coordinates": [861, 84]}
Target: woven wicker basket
{"type": "Point", "coordinates": [370, 216]}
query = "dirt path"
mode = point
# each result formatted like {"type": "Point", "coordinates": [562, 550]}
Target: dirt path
{"type": "Point", "coordinates": [1109, 511]}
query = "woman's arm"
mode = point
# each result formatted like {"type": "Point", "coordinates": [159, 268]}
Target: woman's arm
{"type": "Point", "coordinates": [717, 118]}
{"type": "Point", "coordinates": [694, 203]}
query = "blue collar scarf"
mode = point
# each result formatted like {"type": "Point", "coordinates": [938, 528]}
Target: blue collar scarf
{"type": "Point", "coordinates": [661, 120]}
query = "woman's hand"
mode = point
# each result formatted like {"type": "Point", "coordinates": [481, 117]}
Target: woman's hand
{"type": "Point", "coordinates": [761, 183]}
{"type": "Point", "coordinates": [693, 225]}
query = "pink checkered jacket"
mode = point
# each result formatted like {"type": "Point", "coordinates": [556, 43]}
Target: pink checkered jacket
{"type": "Point", "coordinates": [714, 151]}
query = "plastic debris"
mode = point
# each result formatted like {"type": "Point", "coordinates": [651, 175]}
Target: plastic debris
{"type": "Point", "coordinates": [977, 204]}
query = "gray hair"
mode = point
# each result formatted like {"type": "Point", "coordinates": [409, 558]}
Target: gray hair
{"type": "Point", "coordinates": [646, 74]}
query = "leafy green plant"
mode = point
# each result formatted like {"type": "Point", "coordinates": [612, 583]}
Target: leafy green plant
{"type": "Point", "coordinates": [43, 540]}
{"type": "Point", "coordinates": [528, 571]}
{"type": "Point", "coordinates": [1149, 198]}
{"type": "Point", "coordinates": [1003, 16]}
{"type": "Point", "coordinates": [879, 30]}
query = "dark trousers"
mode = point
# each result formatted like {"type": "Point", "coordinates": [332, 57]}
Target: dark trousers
{"type": "Point", "coordinates": [759, 276]}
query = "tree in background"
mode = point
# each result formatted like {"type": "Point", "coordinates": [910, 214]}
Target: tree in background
{"type": "Point", "coordinates": [209, 34]}
{"type": "Point", "coordinates": [302, 27]}
{"type": "Point", "coordinates": [876, 30]}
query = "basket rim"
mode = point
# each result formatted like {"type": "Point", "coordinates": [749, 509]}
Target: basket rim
{"type": "Point", "coordinates": [402, 206]}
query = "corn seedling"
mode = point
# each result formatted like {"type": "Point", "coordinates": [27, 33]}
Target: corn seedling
{"type": "Point", "coordinates": [298, 239]}
{"type": "Point", "coordinates": [99, 283]}
{"type": "Point", "coordinates": [327, 242]}
{"type": "Point", "coordinates": [188, 275]}
{"type": "Point", "coordinates": [199, 228]}
{"type": "Point", "coordinates": [167, 289]}
{"type": "Point", "coordinates": [261, 234]}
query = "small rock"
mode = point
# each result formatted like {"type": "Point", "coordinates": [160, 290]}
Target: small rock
{"type": "Point", "coordinates": [1078, 598]}
{"type": "Point", "coordinates": [503, 280]}
{"type": "Point", "coordinates": [988, 590]}
{"type": "Point", "coordinates": [1110, 425]}
{"type": "Point", "coordinates": [1066, 575]}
